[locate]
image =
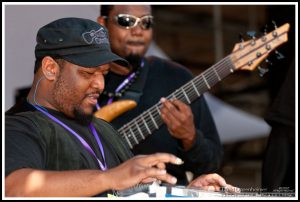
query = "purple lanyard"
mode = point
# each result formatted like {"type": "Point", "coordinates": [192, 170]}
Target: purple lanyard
{"type": "Point", "coordinates": [85, 144]}
{"type": "Point", "coordinates": [121, 86]}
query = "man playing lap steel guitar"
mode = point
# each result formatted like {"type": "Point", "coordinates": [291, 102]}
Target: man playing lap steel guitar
{"type": "Point", "coordinates": [54, 146]}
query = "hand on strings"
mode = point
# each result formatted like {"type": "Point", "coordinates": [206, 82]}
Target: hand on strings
{"type": "Point", "coordinates": [213, 182]}
{"type": "Point", "coordinates": [180, 121]}
{"type": "Point", "coordinates": [142, 169]}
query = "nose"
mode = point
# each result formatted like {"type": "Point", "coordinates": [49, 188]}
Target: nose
{"type": "Point", "coordinates": [98, 82]}
{"type": "Point", "coordinates": [137, 30]}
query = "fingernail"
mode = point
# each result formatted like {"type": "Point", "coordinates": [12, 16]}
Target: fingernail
{"type": "Point", "coordinates": [162, 99]}
{"type": "Point", "coordinates": [162, 172]}
{"type": "Point", "coordinates": [179, 161]}
{"type": "Point", "coordinates": [211, 188]}
{"type": "Point", "coordinates": [237, 190]}
{"type": "Point", "coordinates": [173, 180]}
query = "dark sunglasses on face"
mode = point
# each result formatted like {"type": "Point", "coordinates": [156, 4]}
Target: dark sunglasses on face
{"type": "Point", "coordinates": [130, 21]}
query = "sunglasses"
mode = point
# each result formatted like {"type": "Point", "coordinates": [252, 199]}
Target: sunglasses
{"type": "Point", "coordinates": [129, 21]}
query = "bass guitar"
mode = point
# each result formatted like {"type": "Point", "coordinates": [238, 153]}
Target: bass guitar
{"type": "Point", "coordinates": [245, 56]}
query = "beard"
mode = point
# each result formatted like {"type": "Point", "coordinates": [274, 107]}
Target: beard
{"type": "Point", "coordinates": [134, 61]}
{"type": "Point", "coordinates": [63, 100]}
{"type": "Point", "coordinates": [81, 117]}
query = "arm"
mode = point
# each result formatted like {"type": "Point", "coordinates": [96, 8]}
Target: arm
{"type": "Point", "coordinates": [54, 183]}
{"type": "Point", "coordinates": [140, 169]}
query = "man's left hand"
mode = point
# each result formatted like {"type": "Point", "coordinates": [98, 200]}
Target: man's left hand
{"type": "Point", "coordinates": [180, 121]}
{"type": "Point", "coordinates": [213, 182]}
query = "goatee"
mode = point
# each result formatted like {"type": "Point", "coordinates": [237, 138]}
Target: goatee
{"type": "Point", "coordinates": [134, 61]}
{"type": "Point", "coordinates": [82, 118]}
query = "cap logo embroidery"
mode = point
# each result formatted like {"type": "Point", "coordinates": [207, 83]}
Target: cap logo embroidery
{"type": "Point", "coordinates": [98, 37]}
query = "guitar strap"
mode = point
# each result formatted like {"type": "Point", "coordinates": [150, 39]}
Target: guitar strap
{"type": "Point", "coordinates": [136, 89]}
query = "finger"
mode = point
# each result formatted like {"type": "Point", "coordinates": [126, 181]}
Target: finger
{"type": "Point", "coordinates": [149, 180]}
{"type": "Point", "coordinates": [167, 178]}
{"type": "Point", "coordinates": [170, 119]}
{"type": "Point", "coordinates": [195, 183]}
{"type": "Point", "coordinates": [217, 187]}
{"type": "Point", "coordinates": [171, 109]}
{"type": "Point", "coordinates": [169, 112]}
{"type": "Point", "coordinates": [157, 158]}
{"type": "Point", "coordinates": [180, 105]}
{"type": "Point", "coordinates": [161, 166]}
{"type": "Point", "coordinates": [211, 188]}
{"type": "Point", "coordinates": [231, 189]}
{"type": "Point", "coordinates": [215, 179]}
{"type": "Point", "coordinates": [157, 174]}
{"type": "Point", "coordinates": [205, 186]}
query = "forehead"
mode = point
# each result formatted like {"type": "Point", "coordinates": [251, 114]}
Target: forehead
{"type": "Point", "coordinates": [74, 67]}
{"type": "Point", "coordinates": [137, 10]}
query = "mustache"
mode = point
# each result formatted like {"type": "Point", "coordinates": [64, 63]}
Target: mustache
{"type": "Point", "coordinates": [139, 42]}
{"type": "Point", "coordinates": [96, 93]}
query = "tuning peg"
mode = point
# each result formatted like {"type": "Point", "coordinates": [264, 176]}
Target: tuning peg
{"type": "Point", "coordinates": [241, 37]}
{"type": "Point", "coordinates": [266, 29]}
{"type": "Point", "coordinates": [268, 61]}
{"type": "Point", "coordinates": [251, 34]}
{"type": "Point", "coordinates": [274, 23]}
{"type": "Point", "coordinates": [262, 71]}
{"type": "Point", "coordinates": [279, 56]}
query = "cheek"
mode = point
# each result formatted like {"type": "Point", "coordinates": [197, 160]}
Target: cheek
{"type": "Point", "coordinates": [67, 92]}
{"type": "Point", "coordinates": [149, 36]}
{"type": "Point", "coordinates": [118, 39]}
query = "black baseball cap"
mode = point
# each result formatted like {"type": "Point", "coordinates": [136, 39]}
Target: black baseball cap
{"type": "Point", "coordinates": [79, 41]}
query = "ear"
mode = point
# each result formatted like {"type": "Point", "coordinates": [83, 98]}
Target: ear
{"type": "Point", "coordinates": [49, 67]}
{"type": "Point", "coordinates": [102, 20]}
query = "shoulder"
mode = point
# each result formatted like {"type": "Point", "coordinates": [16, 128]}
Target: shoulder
{"type": "Point", "coordinates": [30, 126]}
{"type": "Point", "coordinates": [31, 118]}
{"type": "Point", "coordinates": [32, 122]}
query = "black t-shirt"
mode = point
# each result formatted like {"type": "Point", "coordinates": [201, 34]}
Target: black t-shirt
{"type": "Point", "coordinates": [33, 140]}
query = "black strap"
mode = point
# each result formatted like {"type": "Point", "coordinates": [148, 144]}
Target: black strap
{"type": "Point", "coordinates": [136, 90]}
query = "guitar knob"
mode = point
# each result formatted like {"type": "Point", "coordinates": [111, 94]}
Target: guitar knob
{"type": "Point", "coordinates": [241, 37]}
{"type": "Point", "coordinates": [251, 34]}
{"type": "Point", "coordinates": [262, 71]}
{"type": "Point", "coordinates": [279, 56]}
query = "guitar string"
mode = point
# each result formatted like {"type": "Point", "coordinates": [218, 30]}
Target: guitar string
{"type": "Point", "coordinates": [134, 139]}
{"type": "Point", "coordinates": [140, 131]}
{"type": "Point", "coordinates": [180, 96]}
{"type": "Point", "coordinates": [136, 122]}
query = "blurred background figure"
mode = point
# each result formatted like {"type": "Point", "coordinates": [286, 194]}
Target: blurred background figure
{"type": "Point", "coordinates": [278, 171]}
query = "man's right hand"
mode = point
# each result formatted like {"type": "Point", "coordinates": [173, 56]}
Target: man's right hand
{"type": "Point", "coordinates": [142, 169]}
